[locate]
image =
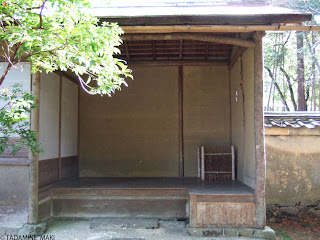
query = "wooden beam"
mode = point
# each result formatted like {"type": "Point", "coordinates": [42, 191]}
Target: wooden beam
{"type": "Point", "coordinates": [177, 63]}
{"type": "Point", "coordinates": [188, 36]}
{"type": "Point", "coordinates": [67, 76]}
{"type": "Point", "coordinates": [34, 158]}
{"type": "Point", "coordinates": [238, 54]}
{"type": "Point", "coordinates": [260, 178]}
{"type": "Point", "coordinates": [215, 28]}
{"type": "Point", "coordinates": [218, 19]}
{"type": "Point", "coordinates": [180, 105]}
{"type": "Point", "coordinates": [127, 50]}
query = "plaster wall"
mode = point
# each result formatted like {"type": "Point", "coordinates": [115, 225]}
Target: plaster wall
{"type": "Point", "coordinates": [242, 116]}
{"type": "Point", "coordinates": [69, 118]}
{"type": "Point", "coordinates": [206, 109]}
{"type": "Point", "coordinates": [293, 165]}
{"type": "Point", "coordinates": [14, 185]}
{"type": "Point", "coordinates": [49, 115]}
{"type": "Point", "coordinates": [134, 133]}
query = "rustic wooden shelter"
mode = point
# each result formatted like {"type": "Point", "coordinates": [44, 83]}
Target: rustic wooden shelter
{"type": "Point", "coordinates": [197, 82]}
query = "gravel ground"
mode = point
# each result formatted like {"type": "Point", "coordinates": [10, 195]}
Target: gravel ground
{"type": "Point", "coordinates": [79, 230]}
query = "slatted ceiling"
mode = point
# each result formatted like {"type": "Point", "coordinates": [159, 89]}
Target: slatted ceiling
{"type": "Point", "coordinates": [174, 50]}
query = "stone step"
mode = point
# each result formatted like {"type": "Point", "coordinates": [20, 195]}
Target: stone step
{"type": "Point", "coordinates": [126, 223]}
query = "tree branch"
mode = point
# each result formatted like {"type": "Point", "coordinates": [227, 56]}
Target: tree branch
{"type": "Point", "coordinates": [290, 88]}
{"type": "Point", "coordinates": [278, 88]}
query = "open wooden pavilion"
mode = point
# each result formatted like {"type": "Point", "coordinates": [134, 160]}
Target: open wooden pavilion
{"type": "Point", "coordinates": [197, 82]}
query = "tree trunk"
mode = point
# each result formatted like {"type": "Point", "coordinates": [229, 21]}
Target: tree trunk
{"type": "Point", "coordinates": [290, 89]}
{"type": "Point", "coordinates": [278, 88]}
{"type": "Point", "coordinates": [300, 73]}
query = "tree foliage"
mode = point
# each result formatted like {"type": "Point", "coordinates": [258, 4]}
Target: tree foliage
{"type": "Point", "coordinates": [14, 120]}
{"type": "Point", "coordinates": [292, 76]}
{"type": "Point", "coordinates": [54, 35]}
{"type": "Point", "coordinates": [62, 35]}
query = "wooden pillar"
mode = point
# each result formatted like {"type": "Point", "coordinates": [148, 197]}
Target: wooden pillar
{"type": "Point", "coordinates": [180, 100]}
{"type": "Point", "coordinates": [34, 158]}
{"type": "Point", "coordinates": [260, 180]}
{"type": "Point", "coordinates": [60, 111]}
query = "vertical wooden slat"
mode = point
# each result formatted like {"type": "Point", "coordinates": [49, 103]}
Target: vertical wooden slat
{"type": "Point", "coordinates": [233, 163]}
{"type": "Point", "coordinates": [34, 158]}
{"type": "Point", "coordinates": [78, 137]}
{"type": "Point", "coordinates": [202, 163]}
{"type": "Point", "coordinates": [180, 49]}
{"type": "Point", "coordinates": [181, 144]}
{"type": "Point", "coordinates": [199, 162]}
{"type": "Point", "coordinates": [60, 114]}
{"type": "Point", "coordinates": [260, 180]}
{"type": "Point", "coordinates": [127, 49]}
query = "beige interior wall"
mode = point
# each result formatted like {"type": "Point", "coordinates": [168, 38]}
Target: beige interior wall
{"type": "Point", "coordinates": [237, 112]}
{"type": "Point", "coordinates": [242, 116]}
{"type": "Point", "coordinates": [69, 118]}
{"type": "Point", "coordinates": [206, 109]}
{"type": "Point", "coordinates": [49, 115]}
{"type": "Point", "coordinates": [134, 133]}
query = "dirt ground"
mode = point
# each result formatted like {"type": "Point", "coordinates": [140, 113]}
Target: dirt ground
{"type": "Point", "coordinates": [300, 227]}
{"type": "Point", "coordinates": [79, 230]}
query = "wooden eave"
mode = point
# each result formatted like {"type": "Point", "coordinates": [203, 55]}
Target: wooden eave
{"type": "Point", "coordinates": [167, 20]}
{"type": "Point", "coordinates": [196, 39]}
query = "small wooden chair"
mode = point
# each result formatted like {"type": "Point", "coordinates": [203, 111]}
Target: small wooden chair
{"type": "Point", "coordinates": [216, 165]}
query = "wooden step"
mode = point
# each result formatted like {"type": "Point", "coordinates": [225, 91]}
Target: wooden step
{"type": "Point", "coordinates": [121, 202]}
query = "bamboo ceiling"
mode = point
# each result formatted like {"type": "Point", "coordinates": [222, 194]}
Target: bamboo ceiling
{"type": "Point", "coordinates": [145, 50]}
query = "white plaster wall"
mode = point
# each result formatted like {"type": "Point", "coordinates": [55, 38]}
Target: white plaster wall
{"type": "Point", "coordinates": [243, 117]}
{"type": "Point", "coordinates": [49, 115]}
{"type": "Point", "coordinates": [249, 146]}
{"type": "Point", "coordinates": [69, 118]}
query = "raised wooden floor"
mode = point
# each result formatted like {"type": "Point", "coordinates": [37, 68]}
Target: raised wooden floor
{"type": "Point", "coordinates": [150, 198]}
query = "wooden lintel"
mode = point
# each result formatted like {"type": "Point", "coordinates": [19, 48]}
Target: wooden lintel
{"type": "Point", "coordinates": [215, 28]}
{"type": "Point", "coordinates": [178, 63]}
{"type": "Point", "coordinates": [190, 36]}
{"type": "Point", "coordinates": [63, 74]}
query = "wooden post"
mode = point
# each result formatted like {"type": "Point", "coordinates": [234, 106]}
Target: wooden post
{"type": "Point", "coordinates": [260, 180]}
{"type": "Point", "coordinates": [233, 163]}
{"type": "Point", "coordinates": [199, 162]}
{"type": "Point", "coordinates": [180, 100]}
{"type": "Point", "coordinates": [34, 158]}
{"type": "Point", "coordinates": [202, 164]}
{"type": "Point", "coordinates": [60, 111]}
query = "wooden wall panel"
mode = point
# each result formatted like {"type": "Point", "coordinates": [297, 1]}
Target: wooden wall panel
{"type": "Point", "coordinates": [225, 214]}
{"type": "Point", "coordinates": [69, 167]}
{"type": "Point", "coordinates": [48, 171]}
{"type": "Point", "coordinates": [226, 210]}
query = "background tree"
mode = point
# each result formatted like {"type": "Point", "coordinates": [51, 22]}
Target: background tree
{"type": "Point", "coordinates": [60, 35]}
{"type": "Point", "coordinates": [293, 60]}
